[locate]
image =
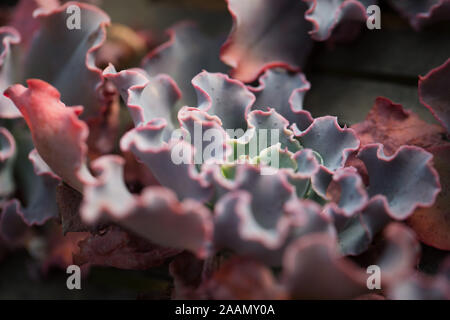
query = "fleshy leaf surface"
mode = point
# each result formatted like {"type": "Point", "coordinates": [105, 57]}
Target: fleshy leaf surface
{"type": "Point", "coordinates": [67, 56]}
{"type": "Point", "coordinates": [147, 98]}
{"type": "Point", "coordinates": [7, 155]}
{"type": "Point", "coordinates": [260, 216]}
{"type": "Point", "coordinates": [313, 268]}
{"type": "Point", "coordinates": [422, 12]}
{"type": "Point", "coordinates": [183, 56]}
{"type": "Point", "coordinates": [434, 92]}
{"type": "Point", "coordinates": [325, 15]}
{"type": "Point", "coordinates": [53, 124]}
{"type": "Point", "coordinates": [406, 179]}
{"type": "Point", "coordinates": [432, 224]}
{"type": "Point", "coordinates": [333, 143]}
{"type": "Point", "coordinates": [226, 98]}
{"type": "Point", "coordinates": [393, 126]}
{"type": "Point", "coordinates": [266, 34]}
{"type": "Point", "coordinates": [156, 214]}
{"type": "Point", "coordinates": [119, 249]}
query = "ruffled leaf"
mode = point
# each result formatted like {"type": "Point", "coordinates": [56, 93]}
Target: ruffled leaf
{"type": "Point", "coordinates": [67, 57]}
{"type": "Point", "coordinates": [186, 54]}
{"type": "Point", "coordinates": [325, 15]}
{"type": "Point", "coordinates": [41, 204]}
{"type": "Point", "coordinates": [406, 179]}
{"type": "Point", "coordinates": [393, 126]}
{"type": "Point", "coordinates": [313, 269]}
{"type": "Point", "coordinates": [432, 224]}
{"type": "Point", "coordinates": [118, 249]}
{"type": "Point", "coordinates": [434, 92]}
{"type": "Point", "coordinates": [155, 215]}
{"type": "Point", "coordinates": [285, 93]}
{"type": "Point", "coordinates": [332, 143]}
{"type": "Point", "coordinates": [147, 98]}
{"type": "Point", "coordinates": [266, 34]}
{"type": "Point", "coordinates": [181, 176]}
{"type": "Point", "coordinates": [347, 191]}
{"type": "Point", "coordinates": [12, 228]}
{"type": "Point", "coordinates": [8, 37]}
{"type": "Point", "coordinates": [422, 12]}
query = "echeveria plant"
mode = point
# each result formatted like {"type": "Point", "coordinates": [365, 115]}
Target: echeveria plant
{"type": "Point", "coordinates": [204, 156]}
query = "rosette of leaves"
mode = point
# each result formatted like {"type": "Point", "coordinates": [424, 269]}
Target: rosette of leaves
{"type": "Point", "coordinates": [329, 192]}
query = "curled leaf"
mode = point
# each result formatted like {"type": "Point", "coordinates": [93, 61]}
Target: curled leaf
{"type": "Point", "coordinates": [7, 154]}
{"type": "Point", "coordinates": [266, 34]}
{"type": "Point", "coordinates": [422, 12]}
{"type": "Point", "coordinates": [147, 98]}
{"type": "Point", "coordinates": [156, 214]}
{"type": "Point", "coordinates": [406, 179]}
{"type": "Point", "coordinates": [8, 37]}
{"type": "Point", "coordinates": [117, 248]}
{"type": "Point", "coordinates": [226, 98]}
{"type": "Point", "coordinates": [325, 15]}
{"type": "Point", "coordinates": [181, 175]}
{"type": "Point", "coordinates": [67, 56]}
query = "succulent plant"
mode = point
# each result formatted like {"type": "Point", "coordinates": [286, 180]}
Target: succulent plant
{"type": "Point", "coordinates": [286, 199]}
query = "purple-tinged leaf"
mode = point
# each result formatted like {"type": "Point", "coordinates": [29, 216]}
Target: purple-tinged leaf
{"type": "Point", "coordinates": [347, 191]}
{"type": "Point", "coordinates": [41, 205]}
{"type": "Point", "coordinates": [226, 98]}
{"type": "Point", "coordinates": [53, 124]}
{"type": "Point", "coordinates": [156, 214]}
{"type": "Point", "coordinates": [307, 167]}
{"type": "Point", "coordinates": [423, 287]}
{"type": "Point", "coordinates": [12, 228]}
{"type": "Point", "coordinates": [422, 12]}
{"type": "Point", "coordinates": [146, 144]}
{"type": "Point", "coordinates": [357, 232]}
{"type": "Point", "coordinates": [119, 249]}
{"type": "Point", "coordinates": [313, 268]}
{"type": "Point", "coordinates": [285, 93]}
{"type": "Point", "coordinates": [187, 273]}
{"type": "Point", "coordinates": [406, 179]}
{"type": "Point", "coordinates": [434, 92]}
{"type": "Point", "coordinates": [266, 34]}
{"type": "Point", "coordinates": [67, 56]}
{"type": "Point", "coordinates": [261, 123]}
{"type": "Point", "coordinates": [147, 98]}
{"type": "Point", "coordinates": [22, 18]}
{"type": "Point", "coordinates": [332, 143]}
{"type": "Point", "coordinates": [8, 37]}
{"type": "Point", "coordinates": [260, 235]}
{"type": "Point", "coordinates": [432, 224]}
{"type": "Point", "coordinates": [325, 15]}
{"type": "Point", "coordinates": [186, 54]}
{"type": "Point", "coordinates": [393, 126]}
{"type": "Point", "coordinates": [206, 134]}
